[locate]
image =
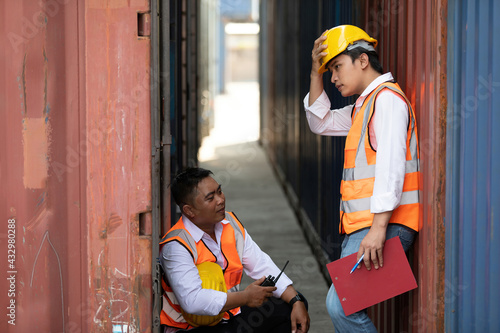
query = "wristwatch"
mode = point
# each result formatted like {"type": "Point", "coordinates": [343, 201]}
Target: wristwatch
{"type": "Point", "coordinates": [297, 297]}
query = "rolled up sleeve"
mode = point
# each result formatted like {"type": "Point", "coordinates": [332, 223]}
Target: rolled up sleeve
{"type": "Point", "coordinates": [324, 121]}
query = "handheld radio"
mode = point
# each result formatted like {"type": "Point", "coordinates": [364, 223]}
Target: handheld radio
{"type": "Point", "coordinates": [270, 281]}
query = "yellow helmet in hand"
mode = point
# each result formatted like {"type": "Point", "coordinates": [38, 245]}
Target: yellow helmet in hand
{"type": "Point", "coordinates": [211, 278]}
{"type": "Point", "coordinates": [340, 38]}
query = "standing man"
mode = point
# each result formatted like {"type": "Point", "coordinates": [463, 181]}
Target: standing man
{"type": "Point", "coordinates": [206, 233]}
{"type": "Point", "coordinates": [380, 181]}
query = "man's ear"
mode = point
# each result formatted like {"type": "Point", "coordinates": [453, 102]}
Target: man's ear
{"type": "Point", "coordinates": [188, 210]}
{"type": "Point", "coordinates": [364, 60]}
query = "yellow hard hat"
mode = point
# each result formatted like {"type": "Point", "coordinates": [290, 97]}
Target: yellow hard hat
{"type": "Point", "coordinates": [339, 38]}
{"type": "Point", "coordinates": [211, 278]}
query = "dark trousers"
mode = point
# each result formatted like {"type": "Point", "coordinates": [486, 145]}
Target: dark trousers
{"type": "Point", "coordinates": [272, 317]}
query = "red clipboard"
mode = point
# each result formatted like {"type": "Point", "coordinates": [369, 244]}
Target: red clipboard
{"type": "Point", "coordinates": [364, 288]}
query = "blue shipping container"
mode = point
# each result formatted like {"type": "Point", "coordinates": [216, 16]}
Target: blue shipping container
{"type": "Point", "coordinates": [472, 292]}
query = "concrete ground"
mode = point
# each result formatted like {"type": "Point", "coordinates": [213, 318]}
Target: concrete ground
{"type": "Point", "coordinates": [252, 191]}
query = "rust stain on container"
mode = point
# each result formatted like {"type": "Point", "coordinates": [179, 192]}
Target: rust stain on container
{"type": "Point", "coordinates": [35, 151]}
{"type": "Point", "coordinates": [112, 224]}
{"type": "Point", "coordinates": [23, 80]}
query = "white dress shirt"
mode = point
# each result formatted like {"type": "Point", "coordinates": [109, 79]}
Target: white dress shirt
{"type": "Point", "coordinates": [185, 281]}
{"type": "Point", "coordinates": [388, 133]}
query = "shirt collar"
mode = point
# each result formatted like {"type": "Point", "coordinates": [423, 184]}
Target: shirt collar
{"type": "Point", "coordinates": [196, 232]}
{"type": "Point", "coordinates": [373, 85]}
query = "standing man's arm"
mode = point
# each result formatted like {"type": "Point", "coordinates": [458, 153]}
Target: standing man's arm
{"type": "Point", "coordinates": [316, 87]}
{"type": "Point", "coordinates": [373, 243]}
{"type": "Point", "coordinates": [320, 118]}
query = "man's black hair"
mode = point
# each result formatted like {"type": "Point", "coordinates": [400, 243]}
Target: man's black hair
{"type": "Point", "coordinates": [184, 184]}
{"type": "Point", "coordinates": [357, 52]}
{"type": "Point", "coordinates": [372, 56]}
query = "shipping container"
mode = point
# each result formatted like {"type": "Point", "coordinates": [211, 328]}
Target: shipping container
{"type": "Point", "coordinates": [46, 142]}
{"type": "Point", "coordinates": [472, 294]}
{"type": "Point", "coordinates": [99, 105]}
{"type": "Point", "coordinates": [412, 39]}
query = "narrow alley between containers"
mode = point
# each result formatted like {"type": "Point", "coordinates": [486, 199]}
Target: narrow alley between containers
{"type": "Point", "coordinates": [252, 191]}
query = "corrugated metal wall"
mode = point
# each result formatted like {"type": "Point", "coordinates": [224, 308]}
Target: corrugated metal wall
{"type": "Point", "coordinates": [412, 45]}
{"type": "Point", "coordinates": [208, 82]}
{"type": "Point", "coordinates": [87, 102]}
{"type": "Point", "coordinates": [44, 146]}
{"type": "Point", "coordinates": [184, 51]}
{"type": "Point", "coordinates": [119, 170]}
{"type": "Point", "coordinates": [184, 90]}
{"type": "Point", "coordinates": [472, 294]}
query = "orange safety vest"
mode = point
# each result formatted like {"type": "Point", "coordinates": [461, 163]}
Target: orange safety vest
{"type": "Point", "coordinates": [232, 245]}
{"type": "Point", "coordinates": [358, 177]}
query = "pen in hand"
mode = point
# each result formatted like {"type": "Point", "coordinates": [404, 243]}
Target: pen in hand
{"type": "Point", "coordinates": [357, 263]}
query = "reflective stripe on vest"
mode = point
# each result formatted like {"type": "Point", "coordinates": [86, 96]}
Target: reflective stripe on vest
{"type": "Point", "coordinates": [232, 245]}
{"type": "Point", "coordinates": [358, 177]}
